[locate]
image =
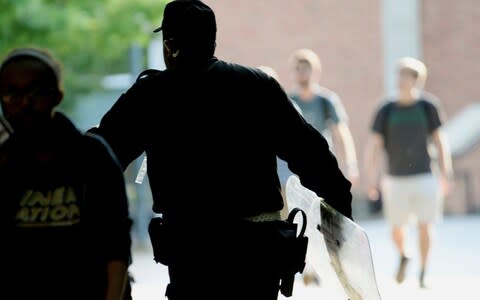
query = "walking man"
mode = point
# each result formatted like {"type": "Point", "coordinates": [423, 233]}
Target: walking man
{"type": "Point", "coordinates": [413, 187]}
{"type": "Point", "coordinates": [323, 109]}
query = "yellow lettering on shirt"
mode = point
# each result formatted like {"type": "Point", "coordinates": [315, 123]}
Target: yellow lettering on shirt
{"type": "Point", "coordinates": [57, 207]}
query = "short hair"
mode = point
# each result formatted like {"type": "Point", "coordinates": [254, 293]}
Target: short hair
{"type": "Point", "coordinates": [414, 65]}
{"type": "Point", "coordinates": [306, 55]}
{"type": "Point", "coordinates": [42, 55]}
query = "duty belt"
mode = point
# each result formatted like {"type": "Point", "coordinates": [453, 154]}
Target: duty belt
{"type": "Point", "coordinates": [265, 217]}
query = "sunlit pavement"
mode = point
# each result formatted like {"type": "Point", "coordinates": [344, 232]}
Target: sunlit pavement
{"type": "Point", "coordinates": [454, 271]}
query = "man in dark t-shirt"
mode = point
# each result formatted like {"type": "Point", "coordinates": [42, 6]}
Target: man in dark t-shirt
{"type": "Point", "coordinates": [407, 129]}
{"type": "Point", "coordinates": [64, 219]}
{"type": "Point", "coordinates": [323, 109]}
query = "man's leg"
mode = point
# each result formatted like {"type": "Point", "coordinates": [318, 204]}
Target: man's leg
{"type": "Point", "coordinates": [397, 211]}
{"type": "Point", "coordinates": [424, 230]}
{"type": "Point", "coordinates": [399, 236]}
{"type": "Point", "coordinates": [428, 208]}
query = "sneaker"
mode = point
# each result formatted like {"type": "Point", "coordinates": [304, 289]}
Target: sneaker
{"type": "Point", "coordinates": [421, 280]}
{"type": "Point", "coordinates": [402, 267]}
{"type": "Point", "coordinates": [311, 278]}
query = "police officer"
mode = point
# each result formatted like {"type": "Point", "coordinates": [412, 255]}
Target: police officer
{"type": "Point", "coordinates": [212, 130]}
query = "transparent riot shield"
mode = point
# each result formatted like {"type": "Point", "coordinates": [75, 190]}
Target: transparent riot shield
{"type": "Point", "coordinates": [339, 249]}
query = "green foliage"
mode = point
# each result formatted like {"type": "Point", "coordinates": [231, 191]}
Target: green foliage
{"type": "Point", "coordinates": [90, 37]}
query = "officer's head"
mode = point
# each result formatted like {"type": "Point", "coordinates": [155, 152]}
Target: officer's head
{"type": "Point", "coordinates": [30, 87]}
{"type": "Point", "coordinates": [189, 32]}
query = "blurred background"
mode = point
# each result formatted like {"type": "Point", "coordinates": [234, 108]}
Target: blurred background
{"type": "Point", "coordinates": [104, 45]}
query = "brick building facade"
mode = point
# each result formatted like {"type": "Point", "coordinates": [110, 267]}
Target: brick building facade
{"type": "Point", "coordinates": [451, 44]}
{"type": "Point", "coordinates": [357, 42]}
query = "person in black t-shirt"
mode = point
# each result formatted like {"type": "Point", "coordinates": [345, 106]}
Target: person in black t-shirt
{"type": "Point", "coordinates": [65, 213]}
{"type": "Point", "coordinates": [324, 110]}
{"type": "Point", "coordinates": [406, 129]}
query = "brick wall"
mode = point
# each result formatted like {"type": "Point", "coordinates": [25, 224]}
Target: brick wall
{"type": "Point", "coordinates": [451, 44]}
{"type": "Point", "coordinates": [346, 35]}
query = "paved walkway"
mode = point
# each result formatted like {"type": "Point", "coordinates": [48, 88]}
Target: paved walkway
{"type": "Point", "coordinates": [454, 272]}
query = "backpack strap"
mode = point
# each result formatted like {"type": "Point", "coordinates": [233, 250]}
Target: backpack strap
{"type": "Point", "coordinates": [388, 110]}
{"type": "Point", "coordinates": [146, 73]}
{"type": "Point", "coordinates": [424, 105]}
{"type": "Point", "coordinates": [326, 113]}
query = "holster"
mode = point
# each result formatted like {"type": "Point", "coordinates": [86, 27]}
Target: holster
{"type": "Point", "coordinates": [160, 238]}
{"type": "Point", "coordinates": [296, 251]}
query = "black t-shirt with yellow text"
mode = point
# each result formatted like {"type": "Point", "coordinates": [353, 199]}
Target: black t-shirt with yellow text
{"type": "Point", "coordinates": [65, 213]}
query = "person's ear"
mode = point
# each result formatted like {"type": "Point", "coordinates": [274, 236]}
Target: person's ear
{"type": "Point", "coordinates": [167, 46]}
{"type": "Point", "coordinates": [57, 98]}
{"type": "Point", "coordinates": [172, 49]}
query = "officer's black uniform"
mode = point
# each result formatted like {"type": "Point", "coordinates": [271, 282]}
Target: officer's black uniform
{"type": "Point", "coordinates": [212, 132]}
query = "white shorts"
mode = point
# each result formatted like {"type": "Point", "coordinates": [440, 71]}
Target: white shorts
{"type": "Point", "coordinates": [412, 198]}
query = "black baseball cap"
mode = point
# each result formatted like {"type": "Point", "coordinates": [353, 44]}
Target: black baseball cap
{"type": "Point", "coordinates": [188, 20]}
